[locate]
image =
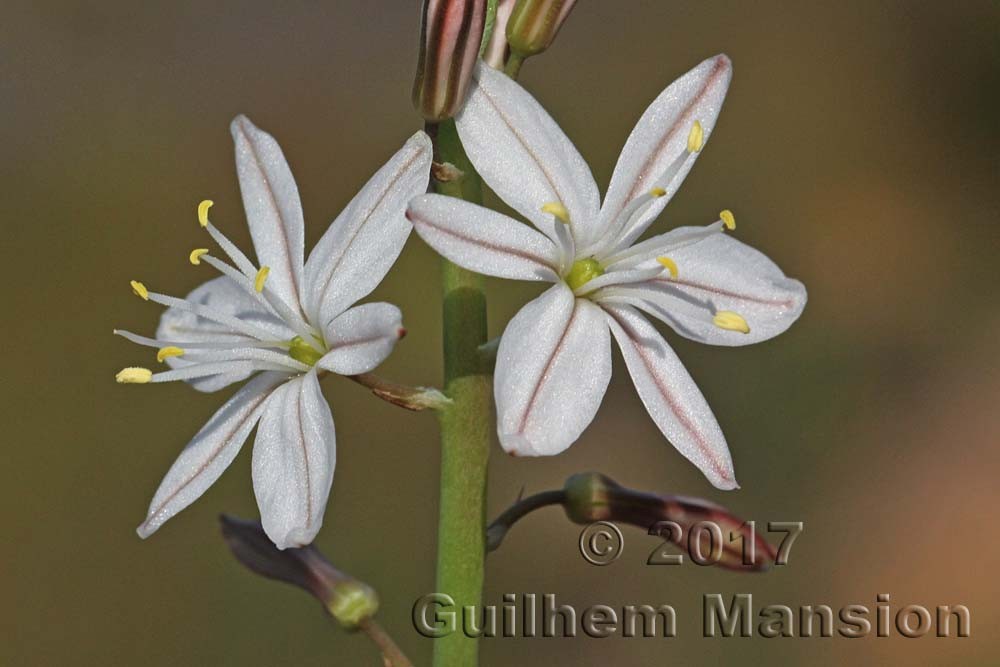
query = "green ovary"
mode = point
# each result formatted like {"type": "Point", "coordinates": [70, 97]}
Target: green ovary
{"type": "Point", "coordinates": [582, 272]}
{"type": "Point", "coordinates": [299, 350]}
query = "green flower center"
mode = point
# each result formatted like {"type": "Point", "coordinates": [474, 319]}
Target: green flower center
{"type": "Point", "coordinates": [582, 272]}
{"type": "Point", "coordinates": [300, 350]}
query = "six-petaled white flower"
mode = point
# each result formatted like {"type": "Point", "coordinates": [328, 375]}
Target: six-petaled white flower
{"type": "Point", "coordinates": [288, 320]}
{"type": "Point", "coordinates": [554, 358]}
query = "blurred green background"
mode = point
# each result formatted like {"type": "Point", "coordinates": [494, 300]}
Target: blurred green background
{"type": "Point", "coordinates": [858, 148]}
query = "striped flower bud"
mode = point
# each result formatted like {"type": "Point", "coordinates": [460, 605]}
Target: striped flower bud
{"type": "Point", "coordinates": [533, 25]}
{"type": "Point", "coordinates": [495, 52]}
{"type": "Point", "coordinates": [691, 523]}
{"type": "Point", "coordinates": [450, 36]}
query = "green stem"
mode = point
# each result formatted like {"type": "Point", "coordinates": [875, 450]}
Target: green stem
{"type": "Point", "coordinates": [513, 66]}
{"type": "Point", "coordinates": [465, 423]}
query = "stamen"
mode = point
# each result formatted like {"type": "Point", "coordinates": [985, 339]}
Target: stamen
{"type": "Point", "coordinates": [728, 219]}
{"type": "Point", "coordinates": [204, 370]}
{"type": "Point", "coordinates": [139, 290]}
{"type": "Point", "coordinates": [227, 367]}
{"type": "Point", "coordinates": [730, 321]}
{"type": "Point", "coordinates": [629, 224]}
{"type": "Point", "coordinates": [228, 247]}
{"type": "Point", "coordinates": [169, 351]}
{"type": "Point", "coordinates": [266, 298]}
{"type": "Point", "coordinates": [258, 282]}
{"type": "Point", "coordinates": [236, 324]}
{"type": "Point", "coordinates": [659, 245]}
{"type": "Point", "coordinates": [696, 137]}
{"type": "Point", "coordinates": [196, 255]}
{"type": "Point", "coordinates": [558, 210]}
{"type": "Point", "coordinates": [203, 212]}
{"type": "Point", "coordinates": [134, 375]}
{"type": "Point", "coordinates": [191, 345]}
{"type": "Point", "coordinates": [669, 264]}
{"type": "Point", "coordinates": [254, 354]}
{"type": "Point", "coordinates": [631, 211]}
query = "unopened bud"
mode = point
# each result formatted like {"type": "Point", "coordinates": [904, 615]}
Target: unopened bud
{"type": "Point", "coordinates": [450, 36]}
{"type": "Point", "coordinates": [533, 25]}
{"type": "Point", "coordinates": [589, 496]}
{"type": "Point", "coordinates": [495, 51]}
{"type": "Point", "coordinates": [738, 544]}
{"type": "Point", "coordinates": [346, 599]}
{"type": "Point", "coordinates": [352, 602]}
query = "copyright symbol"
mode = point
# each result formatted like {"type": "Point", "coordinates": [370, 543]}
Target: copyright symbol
{"type": "Point", "coordinates": [601, 543]}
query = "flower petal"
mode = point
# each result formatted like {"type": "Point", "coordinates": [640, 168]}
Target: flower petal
{"type": "Point", "coordinates": [274, 211]}
{"type": "Point", "coordinates": [293, 461]}
{"type": "Point", "coordinates": [524, 156]}
{"type": "Point", "coordinates": [718, 273]}
{"type": "Point", "coordinates": [553, 367]}
{"type": "Point", "coordinates": [210, 452]}
{"type": "Point", "coordinates": [671, 396]}
{"type": "Point", "coordinates": [660, 138]}
{"type": "Point", "coordinates": [224, 296]}
{"type": "Point", "coordinates": [483, 240]}
{"type": "Point", "coordinates": [361, 245]}
{"type": "Point", "coordinates": [361, 338]}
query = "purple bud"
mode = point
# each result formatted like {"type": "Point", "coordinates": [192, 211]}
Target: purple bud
{"type": "Point", "coordinates": [345, 598]}
{"type": "Point", "coordinates": [450, 36]}
{"type": "Point", "coordinates": [691, 523]}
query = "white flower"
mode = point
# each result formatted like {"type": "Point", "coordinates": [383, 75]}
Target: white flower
{"type": "Point", "coordinates": [287, 319]}
{"type": "Point", "coordinates": [554, 359]}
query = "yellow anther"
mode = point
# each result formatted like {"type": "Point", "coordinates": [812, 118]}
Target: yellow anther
{"type": "Point", "coordinates": [558, 210]}
{"type": "Point", "coordinates": [203, 212]}
{"type": "Point", "coordinates": [139, 290]}
{"type": "Point", "coordinates": [195, 256]}
{"type": "Point", "coordinates": [258, 282]}
{"type": "Point", "coordinates": [657, 192]}
{"type": "Point", "coordinates": [728, 219]}
{"type": "Point", "coordinates": [696, 137]}
{"type": "Point", "coordinates": [134, 376]}
{"type": "Point", "coordinates": [730, 321]}
{"type": "Point", "coordinates": [169, 351]}
{"type": "Point", "coordinates": [669, 264]}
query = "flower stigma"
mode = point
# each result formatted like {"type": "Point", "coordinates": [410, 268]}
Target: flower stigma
{"type": "Point", "coordinates": [300, 350]}
{"type": "Point", "coordinates": [582, 272]}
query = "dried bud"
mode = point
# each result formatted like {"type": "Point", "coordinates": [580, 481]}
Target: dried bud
{"type": "Point", "coordinates": [533, 25]}
{"type": "Point", "coordinates": [345, 598]}
{"type": "Point", "coordinates": [450, 36]}
{"type": "Point", "coordinates": [691, 523]}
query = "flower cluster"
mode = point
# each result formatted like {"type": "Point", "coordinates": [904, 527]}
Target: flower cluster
{"type": "Point", "coordinates": [282, 322]}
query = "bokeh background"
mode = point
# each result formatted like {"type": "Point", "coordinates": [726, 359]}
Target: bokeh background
{"type": "Point", "coordinates": [858, 148]}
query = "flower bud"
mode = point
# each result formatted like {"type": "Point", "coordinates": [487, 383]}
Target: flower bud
{"type": "Point", "coordinates": [345, 598]}
{"type": "Point", "coordinates": [697, 524]}
{"type": "Point", "coordinates": [495, 51]}
{"type": "Point", "coordinates": [533, 25]}
{"type": "Point", "coordinates": [588, 497]}
{"type": "Point", "coordinates": [450, 36]}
